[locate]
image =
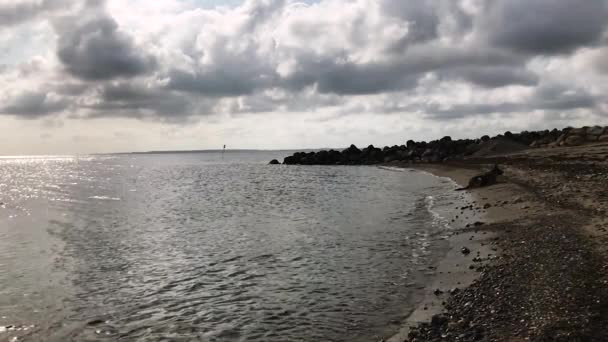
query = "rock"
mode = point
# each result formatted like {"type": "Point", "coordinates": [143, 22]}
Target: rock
{"type": "Point", "coordinates": [595, 130]}
{"type": "Point", "coordinates": [465, 251]}
{"type": "Point", "coordinates": [438, 320]}
{"type": "Point", "coordinates": [427, 153]}
{"type": "Point", "coordinates": [574, 140]}
{"type": "Point", "coordinates": [95, 322]}
{"type": "Point", "coordinates": [578, 131]}
{"type": "Point", "coordinates": [438, 292]}
{"type": "Point", "coordinates": [274, 162]}
{"type": "Point", "coordinates": [478, 223]}
{"type": "Point", "coordinates": [487, 205]}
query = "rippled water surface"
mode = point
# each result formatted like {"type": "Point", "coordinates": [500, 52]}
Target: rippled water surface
{"type": "Point", "coordinates": [190, 247]}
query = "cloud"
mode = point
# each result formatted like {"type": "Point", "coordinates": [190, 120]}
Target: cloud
{"type": "Point", "coordinates": [91, 46]}
{"type": "Point", "coordinates": [494, 76]}
{"type": "Point", "coordinates": [545, 26]}
{"type": "Point", "coordinates": [440, 59]}
{"type": "Point", "coordinates": [14, 12]}
{"type": "Point", "coordinates": [140, 101]}
{"type": "Point", "coordinates": [33, 104]}
{"type": "Point", "coordinates": [554, 97]}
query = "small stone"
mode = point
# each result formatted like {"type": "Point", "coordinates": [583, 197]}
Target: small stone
{"type": "Point", "coordinates": [438, 320]}
{"type": "Point", "coordinates": [465, 250]}
{"type": "Point", "coordinates": [95, 322]}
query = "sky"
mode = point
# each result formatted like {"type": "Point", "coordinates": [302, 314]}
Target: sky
{"type": "Point", "coordinates": [95, 76]}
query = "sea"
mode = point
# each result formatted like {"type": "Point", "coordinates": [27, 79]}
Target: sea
{"type": "Point", "coordinates": [211, 246]}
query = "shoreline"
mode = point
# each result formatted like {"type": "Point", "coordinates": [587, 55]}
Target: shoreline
{"type": "Point", "coordinates": [546, 279]}
{"type": "Point", "coordinates": [456, 270]}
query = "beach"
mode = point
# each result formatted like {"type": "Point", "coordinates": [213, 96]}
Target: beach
{"type": "Point", "coordinates": [534, 267]}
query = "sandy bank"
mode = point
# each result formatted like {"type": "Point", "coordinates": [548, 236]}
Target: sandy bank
{"type": "Point", "coordinates": [549, 281]}
{"type": "Point", "coordinates": [458, 270]}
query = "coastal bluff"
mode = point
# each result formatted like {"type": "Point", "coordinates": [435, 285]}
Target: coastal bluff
{"type": "Point", "coordinates": [446, 148]}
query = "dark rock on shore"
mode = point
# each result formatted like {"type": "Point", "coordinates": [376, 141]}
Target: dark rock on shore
{"type": "Point", "coordinates": [446, 148]}
{"type": "Point", "coordinates": [274, 162]}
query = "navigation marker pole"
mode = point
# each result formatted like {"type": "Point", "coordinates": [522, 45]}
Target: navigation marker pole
{"type": "Point", "coordinates": [224, 150]}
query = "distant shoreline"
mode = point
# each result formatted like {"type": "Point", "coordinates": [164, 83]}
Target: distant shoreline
{"type": "Point", "coordinates": [210, 151]}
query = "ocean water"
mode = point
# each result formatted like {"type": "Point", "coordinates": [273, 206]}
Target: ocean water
{"type": "Point", "coordinates": [190, 247]}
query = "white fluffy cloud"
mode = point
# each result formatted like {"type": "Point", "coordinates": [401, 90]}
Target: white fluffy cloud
{"type": "Point", "coordinates": [439, 65]}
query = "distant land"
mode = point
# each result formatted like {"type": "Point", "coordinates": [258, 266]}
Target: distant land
{"type": "Point", "coordinates": [219, 151]}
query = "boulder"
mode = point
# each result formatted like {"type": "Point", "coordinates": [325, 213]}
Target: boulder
{"type": "Point", "coordinates": [352, 150]}
{"type": "Point", "coordinates": [595, 130]}
{"type": "Point", "coordinates": [574, 140]}
{"type": "Point", "coordinates": [578, 131]}
{"type": "Point", "coordinates": [274, 162]}
{"type": "Point", "coordinates": [439, 320]}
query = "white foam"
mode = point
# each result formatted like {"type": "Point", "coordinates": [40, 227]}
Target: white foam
{"type": "Point", "coordinates": [105, 198]}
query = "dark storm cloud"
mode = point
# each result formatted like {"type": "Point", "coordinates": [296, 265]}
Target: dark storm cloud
{"type": "Point", "coordinates": [545, 26]}
{"type": "Point", "coordinates": [33, 105]}
{"type": "Point", "coordinates": [349, 78]}
{"type": "Point", "coordinates": [126, 99]}
{"type": "Point", "coordinates": [19, 12]}
{"type": "Point", "coordinates": [561, 97]}
{"type": "Point", "coordinates": [91, 46]}
{"type": "Point", "coordinates": [219, 82]}
{"type": "Point", "coordinates": [498, 68]}
{"type": "Point", "coordinates": [494, 76]}
{"type": "Point", "coordinates": [554, 98]}
{"type": "Point", "coordinates": [352, 79]}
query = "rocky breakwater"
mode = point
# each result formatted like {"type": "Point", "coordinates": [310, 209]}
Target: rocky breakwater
{"type": "Point", "coordinates": [446, 148]}
{"type": "Point", "coordinates": [573, 137]}
{"type": "Point", "coordinates": [433, 151]}
{"type": "Point", "coordinates": [413, 151]}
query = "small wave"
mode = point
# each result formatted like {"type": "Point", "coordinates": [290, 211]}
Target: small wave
{"type": "Point", "coordinates": [393, 168]}
{"type": "Point", "coordinates": [105, 198]}
{"type": "Point", "coordinates": [438, 220]}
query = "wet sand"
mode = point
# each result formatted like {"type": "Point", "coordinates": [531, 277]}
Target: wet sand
{"type": "Point", "coordinates": [458, 270]}
{"type": "Point", "coordinates": [536, 270]}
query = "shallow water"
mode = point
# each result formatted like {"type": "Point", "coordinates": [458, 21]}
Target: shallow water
{"type": "Point", "coordinates": [190, 246]}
